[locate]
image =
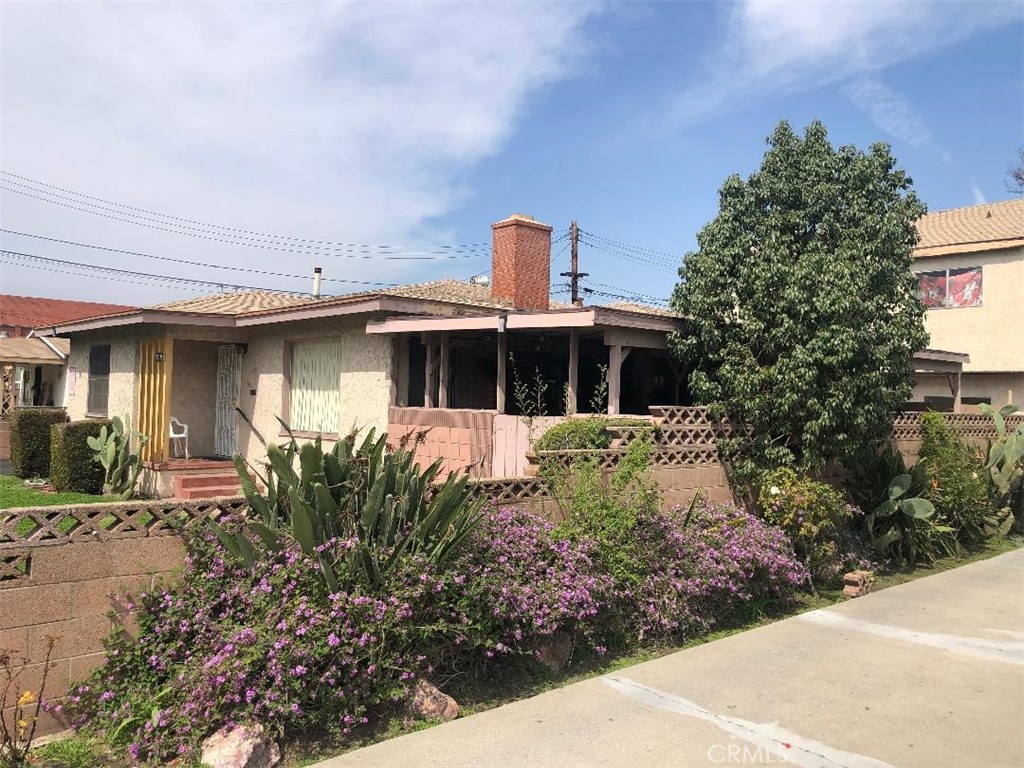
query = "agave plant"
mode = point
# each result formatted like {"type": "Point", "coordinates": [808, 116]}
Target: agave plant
{"type": "Point", "coordinates": [900, 527]}
{"type": "Point", "coordinates": [113, 450]}
{"type": "Point", "coordinates": [369, 504]}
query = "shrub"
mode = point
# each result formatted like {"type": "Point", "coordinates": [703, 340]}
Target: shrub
{"type": "Point", "coordinates": [887, 492]}
{"type": "Point", "coordinates": [588, 432]}
{"type": "Point", "coordinates": [232, 644]}
{"type": "Point", "coordinates": [672, 573]}
{"type": "Point", "coordinates": [113, 449]}
{"type": "Point", "coordinates": [374, 495]}
{"type": "Point", "coordinates": [73, 467]}
{"type": "Point", "coordinates": [1005, 464]}
{"type": "Point", "coordinates": [512, 584]}
{"type": "Point", "coordinates": [30, 439]}
{"type": "Point", "coordinates": [816, 517]}
{"type": "Point", "coordinates": [958, 486]}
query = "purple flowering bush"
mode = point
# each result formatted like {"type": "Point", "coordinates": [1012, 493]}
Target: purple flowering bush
{"type": "Point", "coordinates": [228, 644]}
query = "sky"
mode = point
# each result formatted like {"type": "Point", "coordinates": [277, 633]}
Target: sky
{"type": "Point", "coordinates": [380, 140]}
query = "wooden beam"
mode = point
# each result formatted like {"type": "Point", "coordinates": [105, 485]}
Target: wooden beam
{"type": "Point", "coordinates": [574, 372]}
{"type": "Point", "coordinates": [614, 377]}
{"type": "Point", "coordinates": [502, 360]}
{"type": "Point", "coordinates": [429, 368]}
{"type": "Point", "coordinates": [954, 380]}
{"type": "Point", "coordinates": [442, 387]}
{"type": "Point", "coordinates": [397, 344]}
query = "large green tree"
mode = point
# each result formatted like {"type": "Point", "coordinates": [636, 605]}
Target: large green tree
{"type": "Point", "coordinates": [803, 311]}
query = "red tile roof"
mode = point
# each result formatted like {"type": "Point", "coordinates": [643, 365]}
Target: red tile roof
{"type": "Point", "coordinates": [32, 312]}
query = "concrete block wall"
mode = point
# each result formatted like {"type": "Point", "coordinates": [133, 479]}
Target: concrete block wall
{"type": "Point", "coordinates": [462, 438]}
{"type": "Point", "coordinates": [74, 591]}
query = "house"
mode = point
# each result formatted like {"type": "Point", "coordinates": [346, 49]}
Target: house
{"type": "Point", "coordinates": [33, 368]}
{"type": "Point", "coordinates": [970, 268]}
{"type": "Point", "coordinates": [447, 355]}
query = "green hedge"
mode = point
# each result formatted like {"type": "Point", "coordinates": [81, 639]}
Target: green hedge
{"type": "Point", "coordinates": [587, 432]}
{"type": "Point", "coordinates": [72, 467]}
{"type": "Point", "coordinates": [30, 439]}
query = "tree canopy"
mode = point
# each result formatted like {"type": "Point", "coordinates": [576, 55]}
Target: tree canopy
{"type": "Point", "coordinates": [802, 308]}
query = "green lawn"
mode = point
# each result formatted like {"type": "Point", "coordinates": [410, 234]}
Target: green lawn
{"type": "Point", "coordinates": [14, 493]}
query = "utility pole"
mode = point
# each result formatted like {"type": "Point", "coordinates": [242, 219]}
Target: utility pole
{"type": "Point", "coordinates": [574, 273]}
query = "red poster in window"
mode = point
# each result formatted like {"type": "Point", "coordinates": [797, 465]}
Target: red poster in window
{"type": "Point", "coordinates": [931, 288]}
{"type": "Point", "coordinates": [964, 287]}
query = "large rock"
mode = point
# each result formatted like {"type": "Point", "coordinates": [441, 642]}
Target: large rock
{"type": "Point", "coordinates": [429, 703]}
{"type": "Point", "coordinates": [554, 651]}
{"type": "Point", "coordinates": [245, 746]}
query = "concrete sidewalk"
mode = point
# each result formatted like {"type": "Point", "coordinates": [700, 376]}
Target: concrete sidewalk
{"type": "Point", "coordinates": [929, 674]}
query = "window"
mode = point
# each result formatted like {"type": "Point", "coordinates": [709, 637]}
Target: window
{"type": "Point", "coordinates": [315, 393]}
{"type": "Point", "coordinates": [950, 287]}
{"type": "Point", "coordinates": [99, 381]}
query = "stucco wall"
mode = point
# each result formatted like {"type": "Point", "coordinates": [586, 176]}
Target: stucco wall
{"type": "Point", "coordinates": [123, 386]}
{"type": "Point", "coordinates": [194, 392]}
{"type": "Point", "coordinates": [364, 381]}
{"type": "Point", "coordinates": [1000, 388]}
{"type": "Point", "coordinates": [992, 334]}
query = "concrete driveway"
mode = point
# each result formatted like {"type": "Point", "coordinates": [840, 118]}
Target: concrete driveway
{"type": "Point", "coordinates": [929, 674]}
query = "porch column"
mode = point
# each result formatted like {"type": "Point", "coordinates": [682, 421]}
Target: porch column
{"type": "Point", "coordinates": [442, 387]}
{"type": "Point", "coordinates": [957, 394]}
{"type": "Point", "coordinates": [499, 395]}
{"type": "Point", "coordinates": [614, 371]}
{"type": "Point", "coordinates": [574, 370]}
{"type": "Point", "coordinates": [429, 368]}
{"type": "Point", "coordinates": [396, 345]}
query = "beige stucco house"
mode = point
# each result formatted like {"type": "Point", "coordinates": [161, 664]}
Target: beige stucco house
{"type": "Point", "coordinates": [970, 267]}
{"type": "Point", "coordinates": [444, 355]}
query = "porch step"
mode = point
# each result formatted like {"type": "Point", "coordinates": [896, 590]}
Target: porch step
{"type": "Point", "coordinates": [208, 493]}
{"type": "Point", "coordinates": [214, 480]}
{"type": "Point", "coordinates": [206, 486]}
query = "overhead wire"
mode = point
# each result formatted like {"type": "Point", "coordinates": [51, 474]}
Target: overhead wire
{"type": "Point", "coordinates": [20, 255]}
{"type": "Point", "coordinates": [205, 265]}
{"type": "Point", "coordinates": [119, 211]}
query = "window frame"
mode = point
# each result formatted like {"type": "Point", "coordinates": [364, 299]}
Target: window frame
{"type": "Point", "coordinates": [946, 293]}
{"type": "Point", "coordinates": [93, 379]}
{"type": "Point", "coordinates": [287, 405]}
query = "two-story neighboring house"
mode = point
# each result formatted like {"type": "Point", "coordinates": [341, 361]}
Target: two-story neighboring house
{"type": "Point", "coordinates": [970, 268]}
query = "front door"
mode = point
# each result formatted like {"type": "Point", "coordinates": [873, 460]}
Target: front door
{"type": "Point", "coordinates": [228, 384]}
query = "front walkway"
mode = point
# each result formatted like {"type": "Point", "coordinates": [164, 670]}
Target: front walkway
{"type": "Point", "coordinates": [929, 674]}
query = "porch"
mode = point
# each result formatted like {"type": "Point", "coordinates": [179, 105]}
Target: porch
{"type": "Point", "coordinates": [484, 387]}
{"type": "Point", "coordinates": [196, 382]}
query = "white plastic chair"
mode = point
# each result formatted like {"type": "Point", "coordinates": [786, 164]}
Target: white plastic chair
{"type": "Point", "coordinates": [177, 435]}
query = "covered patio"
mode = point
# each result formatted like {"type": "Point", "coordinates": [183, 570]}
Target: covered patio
{"type": "Point", "coordinates": [470, 379]}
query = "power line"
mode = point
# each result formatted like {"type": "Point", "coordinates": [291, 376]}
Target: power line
{"type": "Point", "coordinates": [122, 210]}
{"type": "Point", "coordinates": [190, 263]}
{"type": "Point", "coordinates": [630, 247]}
{"type": "Point", "coordinates": [658, 265]}
{"type": "Point", "coordinates": [145, 275]}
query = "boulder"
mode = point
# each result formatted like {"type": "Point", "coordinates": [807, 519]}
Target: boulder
{"type": "Point", "coordinates": [244, 746]}
{"type": "Point", "coordinates": [554, 651]}
{"type": "Point", "coordinates": [429, 703]}
{"type": "Point", "coordinates": [857, 583]}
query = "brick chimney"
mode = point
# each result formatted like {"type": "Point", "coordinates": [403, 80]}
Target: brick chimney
{"type": "Point", "coordinates": [521, 262]}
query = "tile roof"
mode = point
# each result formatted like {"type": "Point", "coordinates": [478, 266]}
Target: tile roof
{"type": "Point", "coordinates": [642, 309]}
{"type": "Point", "coordinates": [23, 350]}
{"type": "Point", "coordinates": [985, 227]}
{"type": "Point", "coordinates": [36, 312]}
{"type": "Point", "coordinates": [236, 303]}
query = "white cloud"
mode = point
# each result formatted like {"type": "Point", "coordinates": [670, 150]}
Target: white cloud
{"type": "Point", "coordinates": [979, 195]}
{"type": "Point", "coordinates": [780, 46]}
{"type": "Point", "coordinates": [342, 121]}
{"type": "Point", "coordinates": [891, 112]}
